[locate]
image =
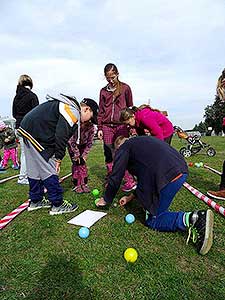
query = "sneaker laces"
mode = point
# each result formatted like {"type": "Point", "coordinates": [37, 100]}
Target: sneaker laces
{"type": "Point", "coordinates": [45, 201]}
{"type": "Point", "coordinates": [66, 203]}
{"type": "Point", "coordinates": [194, 232]}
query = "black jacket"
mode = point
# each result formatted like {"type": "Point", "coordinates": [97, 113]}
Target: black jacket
{"type": "Point", "coordinates": [48, 130]}
{"type": "Point", "coordinates": [24, 101]}
{"type": "Point", "coordinates": [153, 162]}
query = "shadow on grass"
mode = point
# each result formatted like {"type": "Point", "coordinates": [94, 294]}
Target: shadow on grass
{"type": "Point", "coordinates": [135, 208]}
{"type": "Point", "coordinates": [98, 171]}
{"type": "Point", "coordinates": [60, 279]}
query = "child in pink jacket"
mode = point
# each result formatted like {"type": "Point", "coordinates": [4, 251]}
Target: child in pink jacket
{"type": "Point", "coordinates": [145, 118]}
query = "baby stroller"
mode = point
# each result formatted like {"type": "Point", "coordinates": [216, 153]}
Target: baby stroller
{"type": "Point", "coordinates": [194, 144]}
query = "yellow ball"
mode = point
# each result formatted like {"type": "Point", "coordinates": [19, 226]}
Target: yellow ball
{"type": "Point", "coordinates": [130, 255]}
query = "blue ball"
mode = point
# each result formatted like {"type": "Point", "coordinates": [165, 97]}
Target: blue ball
{"type": "Point", "coordinates": [84, 232]}
{"type": "Point", "coordinates": [130, 218]}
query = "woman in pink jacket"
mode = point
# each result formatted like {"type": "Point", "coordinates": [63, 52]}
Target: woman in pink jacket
{"type": "Point", "coordinates": [147, 118]}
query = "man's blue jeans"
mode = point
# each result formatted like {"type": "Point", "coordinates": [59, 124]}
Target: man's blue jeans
{"type": "Point", "coordinates": [165, 220]}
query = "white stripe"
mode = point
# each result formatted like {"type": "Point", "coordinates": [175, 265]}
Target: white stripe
{"type": "Point", "coordinates": [65, 114]}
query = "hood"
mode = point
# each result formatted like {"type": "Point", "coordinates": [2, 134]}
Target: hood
{"type": "Point", "coordinates": [21, 91]}
{"type": "Point", "coordinates": [70, 100]}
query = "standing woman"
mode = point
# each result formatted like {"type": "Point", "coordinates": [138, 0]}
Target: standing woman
{"type": "Point", "coordinates": [24, 101]}
{"type": "Point", "coordinates": [148, 118]}
{"type": "Point", "coordinates": [114, 97]}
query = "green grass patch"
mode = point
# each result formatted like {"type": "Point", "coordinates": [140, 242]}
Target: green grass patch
{"type": "Point", "coordinates": [42, 257]}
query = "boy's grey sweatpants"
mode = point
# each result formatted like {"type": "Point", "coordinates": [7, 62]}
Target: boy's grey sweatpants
{"type": "Point", "coordinates": [42, 173]}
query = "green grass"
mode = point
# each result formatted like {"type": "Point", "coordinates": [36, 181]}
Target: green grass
{"type": "Point", "coordinates": [42, 257]}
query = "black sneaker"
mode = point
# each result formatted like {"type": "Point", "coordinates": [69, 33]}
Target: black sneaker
{"type": "Point", "coordinates": [66, 207]}
{"type": "Point", "coordinates": [201, 228]}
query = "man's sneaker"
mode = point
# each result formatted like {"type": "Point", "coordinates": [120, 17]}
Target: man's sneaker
{"type": "Point", "coordinates": [201, 228]}
{"type": "Point", "coordinates": [40, 204]}
{"type": "Point", "coordinates": [220, 195]}
{"type": "Point", "coordinates": [129, 186]}
{"type": "Point", "coordinates": [2, 168]}
{"type": "Point", "coordinates": [66, 207]}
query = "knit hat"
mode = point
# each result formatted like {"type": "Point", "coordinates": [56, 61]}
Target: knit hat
{"type": "Point", "coordinates": [93, 106]}
{"type": "Point", "coordinates": [2, 125]}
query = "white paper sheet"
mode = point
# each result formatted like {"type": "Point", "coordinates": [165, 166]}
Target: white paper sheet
{"type": "Point", "coordinates": [87, 218]}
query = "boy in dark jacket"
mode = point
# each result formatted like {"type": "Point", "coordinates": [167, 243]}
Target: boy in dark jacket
{"type": "Point", "coordinates": [160, 172]}
{"type": "Point", "coordinates": [46, 130]}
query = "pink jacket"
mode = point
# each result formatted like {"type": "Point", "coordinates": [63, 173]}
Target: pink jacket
{"type": "Point", "coordinates": [109, 108]}
{"type": "Point", "coordinates": [157, 124]}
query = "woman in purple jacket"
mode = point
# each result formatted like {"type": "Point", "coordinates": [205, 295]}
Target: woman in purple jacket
{"type": "Point", "coordinates": [148, 118]}
{"type": "Point", "coordinates": [114, 97]}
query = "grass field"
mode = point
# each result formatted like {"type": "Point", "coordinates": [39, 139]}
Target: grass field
{"type": "Point", "coordinates": [42, 257]}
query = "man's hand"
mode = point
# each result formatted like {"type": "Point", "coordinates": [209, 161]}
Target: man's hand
{"type": "Point", "coordinates": [125, 199]}
{"type": "Point", "coordinates": [101, 202]}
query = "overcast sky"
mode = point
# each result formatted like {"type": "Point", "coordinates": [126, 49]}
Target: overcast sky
{"type": "Point", "coordinates": [171, 52]}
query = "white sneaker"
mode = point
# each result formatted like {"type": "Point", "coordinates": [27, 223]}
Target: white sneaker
{"type": "Point", "coordinates": [23, 180]}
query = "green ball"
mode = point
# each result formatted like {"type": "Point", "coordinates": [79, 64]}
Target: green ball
{"type": "Point", "coordinates": [96, 201]}
{"type": "Point", "coordinates": [95, 192]}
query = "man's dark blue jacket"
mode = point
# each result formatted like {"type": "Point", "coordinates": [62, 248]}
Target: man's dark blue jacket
{"type": "Point", "coordinates": [153, 162]}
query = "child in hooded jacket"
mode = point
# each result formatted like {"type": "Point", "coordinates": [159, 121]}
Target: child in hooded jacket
{"type": "Point", "coordinates": [46, 131]}
{"type": "Point", "coordinates": [78, 151]}
{"type": "Point", "coordinates": [8, 141]}
{"type": "Point", "coordinates": [24, 101]}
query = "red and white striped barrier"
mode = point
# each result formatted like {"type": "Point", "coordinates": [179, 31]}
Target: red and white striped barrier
{"type": "Point", "coordinates": [8, 218]}
{"type": "Point", "coordinates": [60, 180]}
{"type": "Point", "coordinates": [4, 221]}
{"type": "Point", "coordinates": [218, 208]}
{"type": "Point", "coordinates": [64, 177]}
{"type": "Point", "coordinates": [213, 170]}
{"type": "Point", "coordinates": [8, 178]}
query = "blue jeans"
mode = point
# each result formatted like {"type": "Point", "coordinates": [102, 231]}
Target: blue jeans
{"type": "Point", "coordinates": [165, 220]}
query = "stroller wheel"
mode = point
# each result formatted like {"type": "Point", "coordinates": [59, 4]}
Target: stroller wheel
{"type": "Point", "coordinates": [182, 150]}
{"type": "Point", "coordinates": [211, 151]}
{"type": "Point", "coordinates": [186, 153]}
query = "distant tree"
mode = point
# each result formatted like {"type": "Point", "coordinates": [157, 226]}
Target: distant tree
{"type": "Point", "coordinates": [214, 115]}
{"type": "Point", "coordinates": [201, 127]}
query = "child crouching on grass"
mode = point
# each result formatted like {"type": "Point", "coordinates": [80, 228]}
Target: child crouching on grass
{"type": "Point", "coordinates": [8, 141]}
{"type": "Point", "coordinates": [160, 171]}
{"type": "Point", "coordinates": [79, 149]}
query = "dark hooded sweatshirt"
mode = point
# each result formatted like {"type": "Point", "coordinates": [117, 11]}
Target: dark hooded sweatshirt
{"type": "Point", "coordinates": [24, 101]}
{"type": "Point", "coordinates": [153, 162]}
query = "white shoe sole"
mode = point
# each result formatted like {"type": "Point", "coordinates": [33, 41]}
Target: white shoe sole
{"type": "Point", "coordinates": [52, 213]}
{"type": "Point", "coordinates": [215, 197]}
{"type": "Point", "coordinates": [208, 240]}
